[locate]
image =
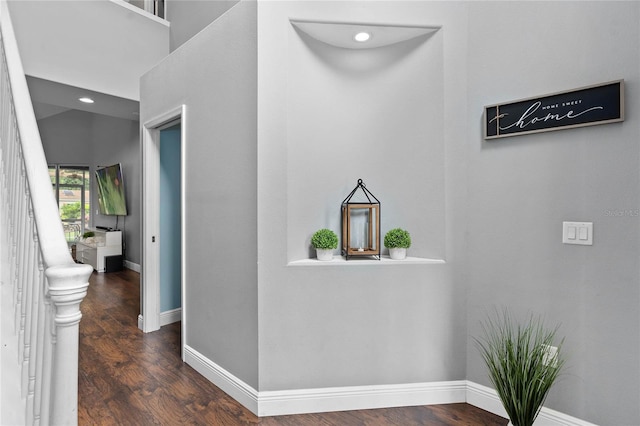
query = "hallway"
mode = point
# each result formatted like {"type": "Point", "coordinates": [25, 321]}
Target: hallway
{"type": "Point", "coordinates": [130, 378]}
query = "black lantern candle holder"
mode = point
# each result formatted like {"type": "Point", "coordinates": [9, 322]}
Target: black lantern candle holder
{"type": "Point", "coordinates": [361, 224]}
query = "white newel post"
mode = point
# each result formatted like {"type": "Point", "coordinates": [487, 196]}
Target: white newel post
{"type": "Point", "coordinates": [67, 287]}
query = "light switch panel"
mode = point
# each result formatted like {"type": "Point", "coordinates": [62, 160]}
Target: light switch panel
{"type": "Point", "coordinates": [580, 233]}
{"type": "Point", "coordinates": [584, 233]}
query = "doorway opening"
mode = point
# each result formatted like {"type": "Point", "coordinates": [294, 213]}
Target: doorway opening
{"type": "Point", "coordinates": [170, 238]}
{"type": "Point", "coordinates": [163, 238]}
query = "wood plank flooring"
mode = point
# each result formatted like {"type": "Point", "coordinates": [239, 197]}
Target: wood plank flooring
{"type": "Point", "coordinates": [127, 377]}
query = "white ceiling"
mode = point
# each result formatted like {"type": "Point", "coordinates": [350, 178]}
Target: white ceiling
{"type": "Point", "coordinates": [105, 46]}
{"type": "Point", "coordinates": [50, 98]}
{"type": "Point", "coordinates": [102, 45]}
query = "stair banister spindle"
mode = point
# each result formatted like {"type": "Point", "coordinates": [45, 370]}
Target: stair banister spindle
{"type": "Point", "coordinates": [29, 296]}
{"type": "Point", "coordinates": [18, 244]}
{"type": "Point", "coordinates": [42, 334]}
{"type": "Point", "coordinates": [48, 286]}
{"type": "Point", "coordinates": [22, 245]}
{"type": "Point", "coordinates": [33, 332]}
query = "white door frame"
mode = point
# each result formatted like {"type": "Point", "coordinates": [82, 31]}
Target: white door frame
{"type": "Point", "coordinates": [149, 319]}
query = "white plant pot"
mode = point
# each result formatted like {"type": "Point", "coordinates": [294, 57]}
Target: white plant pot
{"type": "Point", "coordinates": [397, 253]}
{"type": "Point", "coordinates": [324, 254]}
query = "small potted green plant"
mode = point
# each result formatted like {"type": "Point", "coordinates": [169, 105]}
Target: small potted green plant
{"type": "Point", "coordinates": [522, 363]}
{"type": "Point", "coordinates": [397, 241]}
{"type": "Point", "coordinates": [324, 241]}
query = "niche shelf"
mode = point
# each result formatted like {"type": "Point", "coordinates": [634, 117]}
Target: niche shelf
{"type": "Point", "coordinates": [341, 34]}
{"type": "Point", "coordinates": [384, 261]}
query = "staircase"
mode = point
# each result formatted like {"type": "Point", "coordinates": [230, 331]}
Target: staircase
{"type": "Point", "coordinates": [41, 286]}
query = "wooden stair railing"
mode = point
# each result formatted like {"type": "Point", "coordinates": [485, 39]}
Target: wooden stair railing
{"type": "Point", "coordinates": [47, 284]}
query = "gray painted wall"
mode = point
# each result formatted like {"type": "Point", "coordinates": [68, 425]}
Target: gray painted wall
{"type": "Point", "coordinates": [82, 138]}
{"type": "Point", "coordinates": [521, 190]}
{"type": "Point", "coordinates": [189, 17]}
{"type": "Point", "coordinates": [328, 116]}
{"type": "Point", "coordinates": [504, 201]}
{"type": "Point", "coordinates": [219, 91]}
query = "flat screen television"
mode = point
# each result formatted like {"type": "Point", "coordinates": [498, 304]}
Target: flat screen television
{"type": "Point", "coordinates": [111, 195]}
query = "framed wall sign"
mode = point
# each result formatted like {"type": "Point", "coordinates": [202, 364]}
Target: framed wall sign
{"type": "Point", "coordinates": [586, 106]}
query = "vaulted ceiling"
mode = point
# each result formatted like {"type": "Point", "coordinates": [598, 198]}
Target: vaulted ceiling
{"type": "Point", "coordinates": [76, 48]}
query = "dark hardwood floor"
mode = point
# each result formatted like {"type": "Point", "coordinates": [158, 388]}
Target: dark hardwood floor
{"type": "Point", "coordinates": [127, 377]}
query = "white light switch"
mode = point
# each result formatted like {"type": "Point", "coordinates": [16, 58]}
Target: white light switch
{"type": "Point", "coordinates": [584, 233]}
{"type": "Point", "coordinates": [577, 233]}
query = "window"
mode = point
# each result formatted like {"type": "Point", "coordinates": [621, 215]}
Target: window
{"type": "Point", "coordinates": [72, 189]}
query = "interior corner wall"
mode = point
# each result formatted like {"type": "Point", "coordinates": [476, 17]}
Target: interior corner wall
{"type": "Point", "coordinates": [522, 188]}
{"type": "Point", "coordinates": [118, 141]}
{"type": "Point", "coordinates": [81, 138]}
{"type": "Point", "coordinates": [214, 76]}
{"type": "Point", "coordinates": [327, 117]}
{"type": "Point", "coordinates": [189, 17]}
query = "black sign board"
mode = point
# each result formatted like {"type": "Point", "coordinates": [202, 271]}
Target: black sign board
{"type": "Point", "coordinates": [587, 106]}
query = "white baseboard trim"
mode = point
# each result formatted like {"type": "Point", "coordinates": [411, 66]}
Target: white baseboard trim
{"type": "Point", "coordinates": [278, 403]}
{"type": "Point", "coordinates": [487, 399]}
{"type": "Point", "coordinates": [359, 397]}
{"type": "Point", "coordinates": [133, 266]}
{"type": "Point", "coordinates": [232, 385]}
{"type": "Point", "coordinates": [169, 317]}
{"type": "Point", "coordinates": [166, 317]}
{"type": "Point", "coordinates": [299, 401]}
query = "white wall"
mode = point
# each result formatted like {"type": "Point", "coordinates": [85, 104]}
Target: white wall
{"type": "Point", "coordinates": [82, 138]}
{"type": "Point", "coordinates": [214, 76]}
{"type": "Point", "coordinates": [522, 188]}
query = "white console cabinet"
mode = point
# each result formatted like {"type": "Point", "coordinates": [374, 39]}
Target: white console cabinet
{"type": "Point", "coordinates": [92, 251]}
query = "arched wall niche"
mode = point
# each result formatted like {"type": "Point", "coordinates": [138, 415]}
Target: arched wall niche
{"type": "Point", "coordinates": [372, 113]}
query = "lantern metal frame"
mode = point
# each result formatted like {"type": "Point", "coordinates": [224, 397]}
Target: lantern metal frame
{"type": "Point", "coordinates": [372, 207]}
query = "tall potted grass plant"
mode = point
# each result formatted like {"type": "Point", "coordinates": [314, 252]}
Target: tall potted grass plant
{"type": "Point", "coordinates": [522, 363]}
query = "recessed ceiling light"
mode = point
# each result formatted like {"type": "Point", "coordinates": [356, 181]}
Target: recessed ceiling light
{"type": "Point", "coordinates": [362, 37]}
{"type": "Point", "coordinates": [86, 100]}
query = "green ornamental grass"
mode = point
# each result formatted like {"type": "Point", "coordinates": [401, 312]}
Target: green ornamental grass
{"type": "Point", "coordinates": [519, 365]}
